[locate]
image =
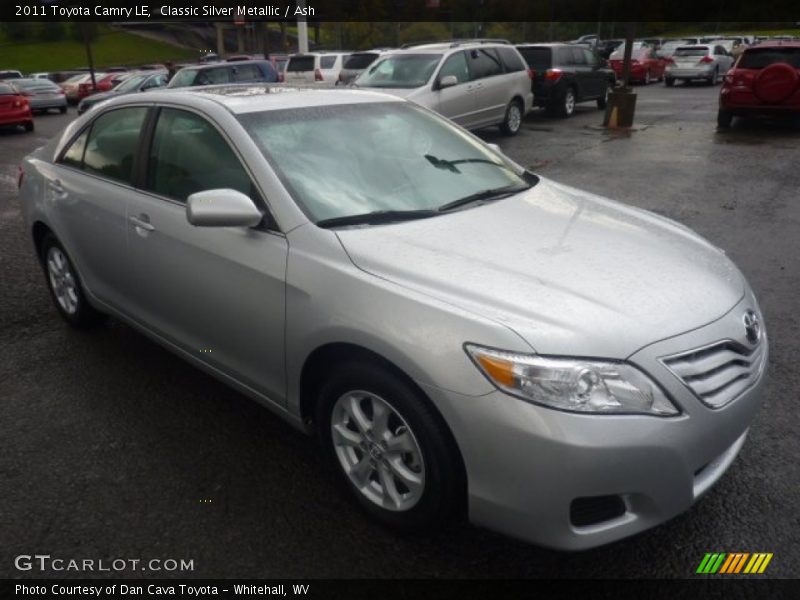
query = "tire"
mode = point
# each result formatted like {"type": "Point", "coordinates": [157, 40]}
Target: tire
{"type": "Point", "coordinates": [669, 81]}
{"type": "Point", "coordinates": [29, 126]}
{"type": "Point", "coordinates": [566, 104]}
{"type": "Point", "coordinates": [356, 392]}
{"type": "Point", "coordinates": [602, 102]}
{"type": "Point", "coordinates": [714, 77]}
{"type": "Point", "coordinates": [647, 77]}
{"type": "Point", "coordinates": [512, 122]}
{"type": "Point", "coordinates": [724, 119]}
{"type": "Point", "coordinates": [65, 287]}
{"type": "Point", "coordinates": [62, 109]}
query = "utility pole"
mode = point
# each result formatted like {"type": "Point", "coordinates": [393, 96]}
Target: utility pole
{"type": "Point", "coordinates": [621, 104]}
{"type": "Point", "coordinates": [302, 29]}
{"type": "Point", "coordinates": [88, 43]}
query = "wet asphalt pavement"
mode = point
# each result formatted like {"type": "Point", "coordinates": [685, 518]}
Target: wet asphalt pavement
{"type": "Point", "coordinates": [111, 447]}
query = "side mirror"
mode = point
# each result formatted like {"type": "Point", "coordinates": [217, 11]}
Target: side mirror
{"type": "Point", "coordinates": [447, 81]}
{"type": "Point", "coordinates": [222, 208]}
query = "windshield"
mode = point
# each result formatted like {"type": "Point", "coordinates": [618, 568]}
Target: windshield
{"type": "Point", "coordinates": [344, 160]}
{"type": "Point", "coordinates": [690, 52]}
{"type": "Point", "coordinates": [131, 83]}
{"type": "Point", "coordinates": [400, 71]}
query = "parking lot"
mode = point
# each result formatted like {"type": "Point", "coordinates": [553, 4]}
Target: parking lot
{"type": "Point", "coordinates": [112, 447]}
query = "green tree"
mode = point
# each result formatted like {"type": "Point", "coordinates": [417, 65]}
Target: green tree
{"type": "Point", "coordinates": [17, 31]}
{"type": "Point", "coordinates": [51, 31]}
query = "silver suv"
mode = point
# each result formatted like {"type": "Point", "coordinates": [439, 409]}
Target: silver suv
{"type": "Point", "coordinates": [477, 83]}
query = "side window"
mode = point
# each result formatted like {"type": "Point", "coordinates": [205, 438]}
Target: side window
{"type": "Point", "coordinates": [591, 57]}
{"type": "Point", "coordinates": [247, 73]}
{"type": "Point", "coordinates": [189, 155]}
{"type": "Point", "coordinates": [512, 61]}
{"type": "Point", "coordinates": [578, 57]}
{"type": "Point", "coordinates": [73, 157]}
{"type": "Point", "coordinates": [214, 76]}
{"type": "Point", "coordinates": [456, 64]}
{"type": "Point", "coordinates": [112, 143]}
{"type": "Point", "coordinates": [483, 62]}
{"type": "Point", "coordinates": [565, 56]}
{"type": "Point", "coordinates": [327, 62]}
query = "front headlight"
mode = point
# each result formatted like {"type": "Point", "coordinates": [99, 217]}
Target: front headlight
{"type": "Point", "coordinates": [587, 386]}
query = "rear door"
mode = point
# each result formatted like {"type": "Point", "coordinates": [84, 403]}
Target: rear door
{"type": "Point", "coordinates": [215, 292]}
{"type": "Point", "coordinates": [596, 77]}
{"type": "Point", "coordinates": [90, 186]}
{"type": "Point", "coordinates": [492, 88]}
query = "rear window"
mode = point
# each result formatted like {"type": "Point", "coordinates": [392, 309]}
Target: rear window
{"type": "Point", "coordinates": [691, 52]}
{"type": "Point", "coordinates": [360, 61]}
{"type": "Point", "coordinates": [759, 58]}
{"type": "Point", "coordinates": [300, 63]}
{"type": "Point", "coordinates": [327, 62]}
{"type": "Point", "coordinates": [10, 75]}
{"type": "Point", "coordinates": [511, 60]}
{"type": "Point", "coordinates": [537, 58]}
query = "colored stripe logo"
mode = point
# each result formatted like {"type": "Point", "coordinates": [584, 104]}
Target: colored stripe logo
{"type": "Point", "coordinates": [734, 563]}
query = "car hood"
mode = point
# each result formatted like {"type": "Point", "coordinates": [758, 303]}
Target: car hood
{"type": "Point", "coordinates": [572, 273]}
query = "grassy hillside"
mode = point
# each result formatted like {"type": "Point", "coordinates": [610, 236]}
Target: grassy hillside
{"type": "Point", "coordinates": [110, 48]}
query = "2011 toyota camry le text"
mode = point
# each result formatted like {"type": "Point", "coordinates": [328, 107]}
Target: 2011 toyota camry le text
{"type": "Point", "coordinates": [466, 338]}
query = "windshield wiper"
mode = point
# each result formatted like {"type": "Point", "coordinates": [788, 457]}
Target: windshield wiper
{"type": "Point", "coordinates": [485, 195]}
{"type": "Point", "coordinates": [378, 217]}
{"type": "Point", "coordinates": [450, 165]}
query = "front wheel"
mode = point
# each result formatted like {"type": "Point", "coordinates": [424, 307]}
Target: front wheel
{"type": "Point", "coordinates": [65, 286]}
{"type": "Point", "coordinates": [391, 450]}
{"type": "Point", "coordinates": [512, 122]}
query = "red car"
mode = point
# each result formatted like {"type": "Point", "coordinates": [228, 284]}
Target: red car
{"type": "Point", "coordinates": [14, 107]}
{"type": "Point", "coordinates": [109, 81]}
{"type": "Point", "coordinates": [645, 65]}
{"type": "Point", "coordinates": [765, 80]}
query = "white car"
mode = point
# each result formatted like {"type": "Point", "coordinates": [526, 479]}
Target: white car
{"type": "Point", "coordinates": [314, 67]}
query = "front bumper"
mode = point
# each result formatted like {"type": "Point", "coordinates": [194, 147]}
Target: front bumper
{"type": "Point", "coordinates": [528, 465]}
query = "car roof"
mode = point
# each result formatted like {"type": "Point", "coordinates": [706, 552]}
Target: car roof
{"type": "Point", "coordinates": [224, 65]}
{"type": "Point", "coordinates": [449, 46]}
{"type": "Point", "coordinates": [776, 44]}
{"type": "Point", "coordinates": [246, 98]}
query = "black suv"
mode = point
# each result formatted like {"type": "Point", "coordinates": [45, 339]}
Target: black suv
{"type": "Point", "coordinates": [565, 74]}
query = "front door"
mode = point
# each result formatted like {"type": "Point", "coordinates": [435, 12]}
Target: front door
{"type": "Point", "coordinates": [217, 292]}
{"type": "Point", "coordinates": [457, 102]}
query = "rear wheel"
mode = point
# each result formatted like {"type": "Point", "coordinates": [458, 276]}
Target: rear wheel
{"type": "Point", "coordinates": [389, 447]}
{"type": "Point", "coordinates": [513, 119]}
{"type": "Point", "coordinates": [669, 81]}
{"type": "Point", "coordinates": [724, 119]}
{"type": "Point", "coordinates": [647, 77]}
{"type": "Point", "coordinates": [566, 106]}
{"type": "Point", "coordinates": [65, 286]}
{"type": "Point", "coordinates": [29, 126]}
{"type": "Point", "coordinates": [62, 109]}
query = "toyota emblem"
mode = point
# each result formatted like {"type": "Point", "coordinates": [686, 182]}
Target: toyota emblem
{"type": "Point", "coordinates": [752, 326]}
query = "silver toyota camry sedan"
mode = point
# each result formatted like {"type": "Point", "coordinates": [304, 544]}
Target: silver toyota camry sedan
{"type": "Point", "coordinates": [464, 337]}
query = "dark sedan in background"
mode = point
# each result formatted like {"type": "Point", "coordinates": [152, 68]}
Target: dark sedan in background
{"type": "Point", "coordinates": [138, 82]}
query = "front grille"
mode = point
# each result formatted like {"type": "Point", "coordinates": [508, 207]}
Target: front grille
{"type": "Point", "coordinates": [719, 373]}
{"type": "Point", "coordinates": [584, 512]}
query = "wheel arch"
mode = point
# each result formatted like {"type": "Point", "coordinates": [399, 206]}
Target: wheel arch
{"type": "Point", "coordinates": [324, 359]}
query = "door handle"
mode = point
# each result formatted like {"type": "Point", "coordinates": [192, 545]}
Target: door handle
{"type": "Point", "coordinates": [142, 222]}
{"type": "Point", "coordinates": [55, 185]}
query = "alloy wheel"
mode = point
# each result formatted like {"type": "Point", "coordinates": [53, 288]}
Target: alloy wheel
{"type": "Point", "coordinates": [514, 118]}
{"type": "Point", "coordinates": [62, 280]}
{"type": "Point", "coordinates": [569, 102]}
{"type": "Point", "coordinates": [377, 450]}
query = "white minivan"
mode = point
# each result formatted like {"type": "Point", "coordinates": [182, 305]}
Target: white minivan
{"type": "Point", "coordinates": [315, 66]}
